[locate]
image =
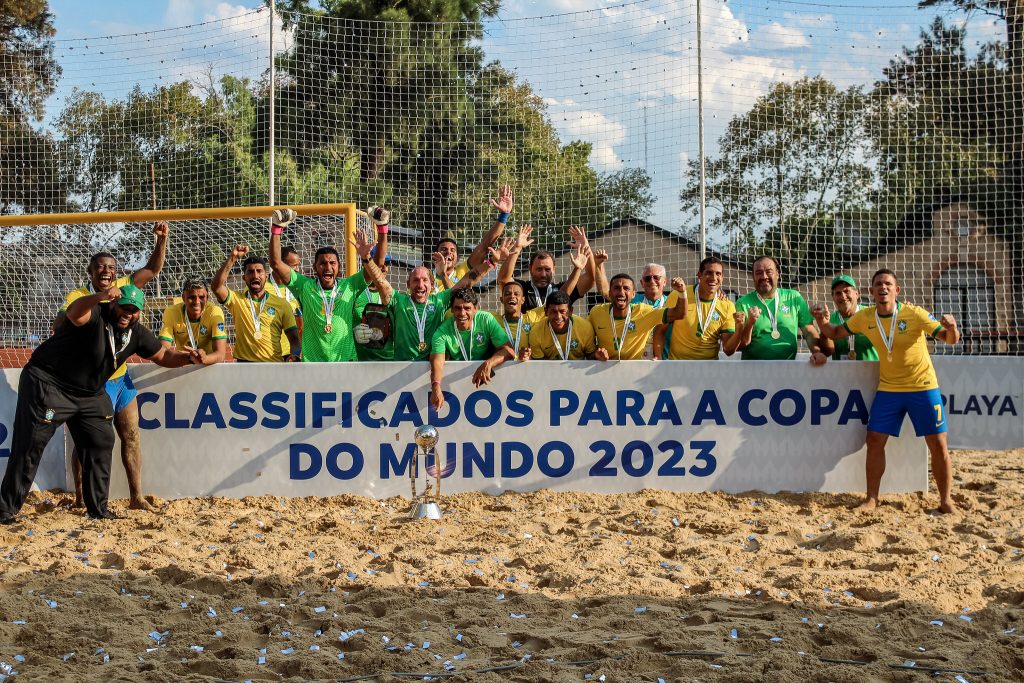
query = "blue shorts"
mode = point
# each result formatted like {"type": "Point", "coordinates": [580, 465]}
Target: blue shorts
{"type": "Point", "coordinates": [925, 407]}
{"type": "Point", "coordinates": [121, 392]}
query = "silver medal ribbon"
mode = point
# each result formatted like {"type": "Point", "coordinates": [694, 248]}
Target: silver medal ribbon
{"type": "Point", "coordinates": [508, 331]}
{"type": "Point", "coordinates": [619, 341]}
{"type": "Point", "coordinates": [702, 320]}
{"type": "Point", "coordinates": [536, 294]}
{"type": "Point", "coordinates": [564, 355]}
{"type": "Point", "coordinates": [283, 292]}
{"type": "Point", "coordinates": [888, 341]}
{"type": "Point", "coordinates": [257, 317]}
{"type": "Point", "coordinates": [458, 338]}
{"type": "Point", "coordinates": [369, 296]}
{"type": "Point", "coordinates": [329, 304]}
{"type": "Point", "coordinates": [773, 317]}
{"type": "Point", "coordinates": [849, 339]}
{"type": "Point", "coordinates": [188, 327]}
{"type": "Point", "coordinates": [421, 323]}
{"type": "Point", "coordinates": [125, 339]}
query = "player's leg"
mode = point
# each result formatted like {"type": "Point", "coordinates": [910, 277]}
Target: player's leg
{"type": "Point", "coordinates": [874, 468]}
{"type": "Point", "coordinates": [93, 431]}
{"type": "Point", "coordinates": [76, 472]}
{"type": "Point", "coordinates": [40, 410]}
{"type": "Point", "coordinates": [929, 418]}
{"type": "Point", "coordinates": [127, 424]}
{"type": "Point", "coordinates": [884, 420]}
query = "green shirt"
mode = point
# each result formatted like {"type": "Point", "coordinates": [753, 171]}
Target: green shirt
{"type": "Point", "coordinates": [861, 345]}
{"type": "Point", "coordinates": [363, 351]}
{"type": "Point", "coordinates": [488, 335]}
{"type": "Point", "coordinates": [319, 346]}
{"type": "Point", "coordinates": [793, 315]}
{"type": "Point", "coordinates": [407, 338]}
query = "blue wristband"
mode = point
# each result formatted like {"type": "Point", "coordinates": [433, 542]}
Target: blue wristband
{"type": "Point", "coordinates": [503, 217]}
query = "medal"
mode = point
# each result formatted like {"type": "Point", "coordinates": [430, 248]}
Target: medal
{"type": "Point", "coordinates": [329, 306]}
{"type": "Point", "coordinates": [257, 317]}
{"type": "Point", "coordinates": [537, 300]}
{"type": "Point", "coordinates": [564, 355]}
{"type": "Point", "coordinates": [701, 320]}
{"type": "Point", "coordinates": [852, 355]}
{"type": "Point", "coordinates": [508, 331]}
{"type": "Point", "coordinates": [619, 341]}
{"type": "Point", "coordinates": [188, 328]}
{"type": "Point", "coordinates": [458, 337]}
{"type": "Point", "coordinates": [773, 316]}
{"type": "Point", "coordinates": [421, 325]}
{"type": "Point", "coordinates": [891, 338]}
{"type": "Point", "coordinates": [125, 338]}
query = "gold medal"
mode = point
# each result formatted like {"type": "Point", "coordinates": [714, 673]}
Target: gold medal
{"type": "Point", "coordinates": [423, 346]}
{"type": "Point", "coordinates": [776, 334]}
{"type": "Point", "coordinates": [889, 357]}
{"type": "Point", "coordinates": [258, 335]}
{"type": "Point", "coordinates": [327, 328]}
{"type": "Point", "coordinates": [852, 355]}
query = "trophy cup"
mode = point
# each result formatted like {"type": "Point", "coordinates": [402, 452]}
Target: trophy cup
{"type": "Point", "coordinates": [425, 506]}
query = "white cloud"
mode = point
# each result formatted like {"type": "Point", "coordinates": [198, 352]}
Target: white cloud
{"type": "Point", "coordinates": [775, 36]}
{"type": "Point", "coordinates": [604, 133]}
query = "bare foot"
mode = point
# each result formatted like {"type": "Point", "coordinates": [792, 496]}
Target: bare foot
{"type": "Point", "coordinates": [78, 504]}
{"type": "Point", "coordinates": [868, 505]}
{"type": "Point", "coordinates": [140, 504]}
{"type": "Point", "coordinates": [947, 507]}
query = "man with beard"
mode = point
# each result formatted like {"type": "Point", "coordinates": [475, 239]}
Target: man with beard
{"type": "Point", "coordinates": [447, 268]}
{"type": "Point", "coordinates": [265, 327]}
{"type": "Point", "coordinates": [102, 272]}
{"type": "Point", "coordinates": [515, 318]}
{"type": "Point", "coordinates": [698, 335]}
{"type": "Point", "coordinates": [195, 324]}
{"type": "Point", "coordinates": [470, 334]}
{"type": "Point", "coordinates": [562, 335]}
{"type": "Point", "coordinates": [622, 327]}
{"type": "Point", "coordinates": [907, 384]}
{"type": "Point", "coordinates": [542, 270]}
{"type": "Point", "coordinates": [291, 258]}
{"type": "Point", "coordinates": [64, 382]}
{"type": "Point", "coordinates": [326, 302]}
{"type": "Point", "coordinates": [769, 319]}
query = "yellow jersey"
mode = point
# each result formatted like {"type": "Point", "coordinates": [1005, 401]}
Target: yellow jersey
{"type": "Point", "coordinates": [528, 320]}
{"type": "Point", "coordinates": [204, 331]}
{"type": "Point", "coordinates": [275, 316]}
{"type": "Point", "coordinates": [642, 321]}
{"type": "Point", "coordinates": [460, 272]}
{"type": "Point", "coordinates": [86, 291]}
{"type": "Point", "coordinates": [911, 367]}
{"type": "Point", "coordinates": [286, 294]}
{"type": "Point", "coordinates": [582, 344]}
{"type": "Point", "coordinates": [688, 340]}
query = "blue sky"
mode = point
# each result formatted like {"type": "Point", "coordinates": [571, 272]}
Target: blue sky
{"type": "Point", "coordinates": [621, 75]}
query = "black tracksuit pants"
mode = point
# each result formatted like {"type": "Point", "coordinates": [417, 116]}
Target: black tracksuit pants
{"type": "Point", "coordinates": [42, 407]}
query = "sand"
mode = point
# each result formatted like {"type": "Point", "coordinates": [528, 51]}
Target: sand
{"type": "Point", "coordinates": [553, 586]}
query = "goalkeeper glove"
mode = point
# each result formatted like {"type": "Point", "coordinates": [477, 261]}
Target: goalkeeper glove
{"type": "Point", "coordinates": [365, 334]}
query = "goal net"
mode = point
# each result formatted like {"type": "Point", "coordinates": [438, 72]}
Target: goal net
{"type": "Point", "coordinates": [841, 138]}
{"type": "Point", "coordinates": [44, 257]}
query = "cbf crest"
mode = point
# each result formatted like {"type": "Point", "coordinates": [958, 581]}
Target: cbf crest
{"type": "Point", "coordinates": [902, 325]}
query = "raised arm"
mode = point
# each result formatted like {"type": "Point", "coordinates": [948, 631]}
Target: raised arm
{"type": "Point", "coordinates": [141, 277]}
{"type": "Point", "coordinates": [949, 333]}
{"type": "Point", "coordinates": [580, 259]}
{"type": "Point", "coordinates": [508, 267]}
{"type": "Point", "coordinates": [600, 276]}
{"type": "Point", "coordinates": [280, 220]}
{"type": "Point", "coordinates": [371, 271]}
{"type": "Point", "coordinates": [80, 310]}
{"type": "Point", "coordinates": [381, 219]}
{"type": "Point", "coordinates": [477, 274]}
{"type": "Point", "coordinates": [678, 312]}
{"type": "Point", "coordinates": [504, 205]}
{"type": "Point", "coordinates": [220, 278]}
{"type": "Point", "coordinates": [587, 278]}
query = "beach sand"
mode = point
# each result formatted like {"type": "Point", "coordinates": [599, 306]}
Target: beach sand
{"type": "Point", "coordinates": [555, 586]}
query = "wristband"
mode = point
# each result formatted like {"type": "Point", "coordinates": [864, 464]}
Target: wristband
{"type": "Point", "coordinates": [435, 382]}
{"type": "Point", "coordinates": [382, 229]}
{"type": "Point", "coordinates": [276, 230]}
{"type": "Point", "coordinates": [503, 217]}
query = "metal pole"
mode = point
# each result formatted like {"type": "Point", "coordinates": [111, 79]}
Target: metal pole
{"type": "Point", "coordinates": [270, 190]}
{"type": "Point", "coordinates": [700, 137]}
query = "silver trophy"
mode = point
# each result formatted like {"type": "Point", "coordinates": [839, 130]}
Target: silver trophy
{"type": "Point", "coordinates": [425, 505]}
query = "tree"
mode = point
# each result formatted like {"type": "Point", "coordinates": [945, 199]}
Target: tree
{"type": "Point", "coordinates": [28, 77]}
{"type": "Point", "coordinates": [626, 193]}
{"type": "Point", "coordinates": [786, 169]}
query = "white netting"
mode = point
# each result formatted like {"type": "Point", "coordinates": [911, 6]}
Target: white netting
{"type": "Point", "coordinates": [841, 137]}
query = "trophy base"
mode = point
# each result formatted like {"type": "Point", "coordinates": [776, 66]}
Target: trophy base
{"type": "Point", "coordinates": [429, 510]}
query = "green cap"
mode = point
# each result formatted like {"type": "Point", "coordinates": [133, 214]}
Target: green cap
{"type": "Point", "coordinates": [132, 296]}
{"type": "Point", "coordinates": [844, 280]}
